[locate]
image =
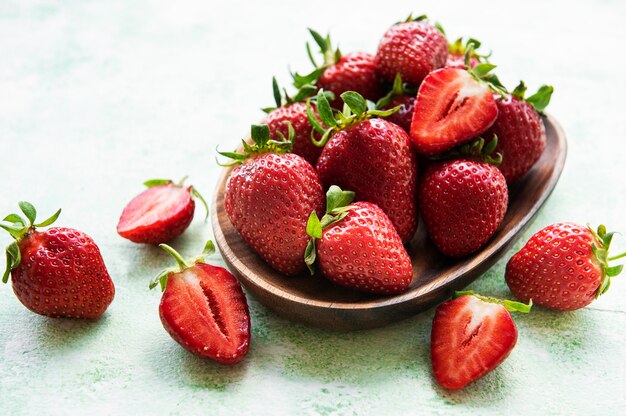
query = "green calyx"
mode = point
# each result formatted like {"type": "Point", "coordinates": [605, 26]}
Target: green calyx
{"type": "Point", "coordinates": [419, 18]}
{"type": "Point", "coordinates": [601, 251]}
{"type": "Point", "coordinates": [355, 110]}
{"type": "Point", "coordinates": [510, 305]}
{"type": "Point", "coordinates": [337, 207]}
{"type": "Point", "coordinates": [19, 228]}
{"type": "Point", "coordinates": [283, 98]}
{"type": "Point", "coordinates": [538, 100]}
{"type": "Point", "coordinates": [478, 149]}
{"type": "Point", "coordinates": [151, 183]}
{"type": "Point", "coordinates": [181, 264]}
{"type": "Point", "coordinates": [330, 57]}
{"type": "Point", "coordinates": [261, 143]}
{"type": "Point", "coordinates": [398, 88]}
{"type": "Point", "coordinates": [471, 45]}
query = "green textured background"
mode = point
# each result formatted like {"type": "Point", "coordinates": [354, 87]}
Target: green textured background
{"type": "Point", "coordinates": [96, 97]}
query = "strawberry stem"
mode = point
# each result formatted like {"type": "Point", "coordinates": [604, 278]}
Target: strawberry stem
{"type": "Point", "coordinates": [619, 256]}
{"type": "Point", "coordinates": [510, 305]}
{"type": "Point", "coordinates": [182, 264]}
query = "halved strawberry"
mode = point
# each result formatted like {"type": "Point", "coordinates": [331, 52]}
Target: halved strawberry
{"type": "Point", "coordinates": [160, 213]}
{"type": "Point", "coordinates": [471, 335]}
{"type": "Point", "coordinates": [452, 107]}
{"type": "Point", "coordinates": [204, 309]}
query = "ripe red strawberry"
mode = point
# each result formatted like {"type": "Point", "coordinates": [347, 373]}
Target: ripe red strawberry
{"type": "Point", "coordinates": [462, 203]}
{"type": "Point", "coordinates": [160, 213]}
{"type": "Point", "coordinates": [58, 272]}
{"type": "Point", "coordinates": [471, 335]}
{"type": "Point", "coordinates": [357, 246]}
{"type": "Point", "coordinates": [339, 73]}
{"type": "Point", "coordinates": [453, 106]}
{"type": "Point", "coordinates": [564, 266]}
{"type": "Point", "coordinates": [520, 130]}
{"type": "Point", "coordinates": [293, 111]}
{"type": "Point", "coordinates": [204, 309]}
{"type": "Point", "coordinates": [268, 199]}
{"type": "Point", "coordinates": [412, 49]}
{"type": "Point", "coordinates": [374, 158]}
{"type": "Point", "coordinates": [402, 96]}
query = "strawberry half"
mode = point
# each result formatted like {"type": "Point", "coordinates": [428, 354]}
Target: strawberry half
{"type": "Point", "coordinates": [564, 266]}
{"type": "Point", "coordinates": [204, 309]}
{"type": "Point", "coordinates": [452, 107]}
{"type": "Point", "coordinates": [160, 213]}
{"type": "Point", "coordinates": [58, 272]}
{"type": "Point", "coordinates": [471, 335]}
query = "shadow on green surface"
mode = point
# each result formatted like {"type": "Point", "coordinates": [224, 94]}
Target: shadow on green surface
{"type": "Point", "coordinates": [60, 334]}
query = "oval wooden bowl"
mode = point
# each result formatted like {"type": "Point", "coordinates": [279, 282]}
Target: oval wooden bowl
{"type": "Point", "coordinates": [316, 301]}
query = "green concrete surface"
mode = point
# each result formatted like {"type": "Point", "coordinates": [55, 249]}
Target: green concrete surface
{"type": "Point", "coordinates": [96, 97]}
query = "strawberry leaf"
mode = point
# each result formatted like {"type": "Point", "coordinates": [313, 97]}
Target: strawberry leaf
{"type": "Point", "coordinates": [209, 248]}
{"type": "Point", "coordinates": [29, 210]}
{"type": "Point", "coordinates": [50, 220]}
{"type": "Point", "coordinates": [324, 110]}
{"type": "Point", "coordinates": [310, 254]}
{"type": "Point", "coordinates": [355, 101]}
{"type": "Point", "coordinates": [541, 98]}
{"type": "Point", "coordinates": [313, 226]}
{"type": "Point", "coordinates": [156, 182]}
{"type": "Point", "coordinates": [260, 134]}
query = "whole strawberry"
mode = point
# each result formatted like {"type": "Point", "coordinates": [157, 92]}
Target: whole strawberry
{"type": "Point", "coordinates": [413, 49]}
{"type": "Point", "coordinates": [357, 246]}
{"type": "Point", "coordinates": [374, 158]}
{"type": "Point", "coordinates": [564, 266]}
{"type": "Point", "coordinates": [401, 96]}
{"type": "Point", "coordinates": [293, 111]}
{"type": "Point", "coordinates": [339, 73]}
{"type": "Point", "coordinates": [204, 309]}
{"type": "Point", "coordinates": [269, 197]}
{"type": "Point", "coordinates": [462, 203]}
{"type": "Point", "coordinates": [160, 213]}
{"type": "Point", "coordinates": [520, 130]}
{"type": "Point", "coordinates": [58, 272]}
{"type": "Point", "coordinates": [471, 335]}
{"type": "Point", "coordinates": [453, 106]}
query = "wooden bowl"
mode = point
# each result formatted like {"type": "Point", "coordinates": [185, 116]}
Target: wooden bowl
{"type": "Point", "coordinates": [316, 301]}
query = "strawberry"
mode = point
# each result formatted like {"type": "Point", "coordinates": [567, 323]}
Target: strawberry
{"type": "Point", "coordinates": [160, 213]}
{"type": "Point", "coordinates": [339, 73]}
{"type": "Point", "coordinates": [462, 203]}
{"type": "Point", "coordinates": [58, 272]}
{"type": "Point", "coordinates": [453, 106]}
{"type": "Point", "coordinates": [403, 96]}
{"type": "Point", "coordinates": [292, 110]}
{"type": "Point", "coordinates": [471, 335]}
{"type": "Point", "coordinates": [204, 309]}
{"type": "Point", "coordinates": [357, 246]}
{"type": "Point", "coordinates": [269, 197]}
{"type": "Point", "coordinates": [564, 266]}
{"type": "Point", "coordinates": [374, 158]}
{"type": "Point", "coordinates": [520, 130]}
{"type": "Point", "coordinates": [460, 53]}
{"type": "Point", "coordinates": [412, 49]}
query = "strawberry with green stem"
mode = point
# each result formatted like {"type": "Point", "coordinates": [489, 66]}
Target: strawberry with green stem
{"type": "Point", "coordinates": [564, 266]}
{"type": "Point", "coordinates": [458, 51]}
{"type": "Point", "coordinates": [520, 129]}
{"type": "Point", "coordinates": [339, 73]}
{"type": "Point", "coordinates": [371, 156]}
{"type": "Point", "coordinates": [269, 196]}
{"type": "Point", "coordinates": [292, 111]}
{"type": "Point", "coordinates": [471, 336]}
{"type": "Point", "coordinates": [58, 272]}
{"type": "Point", "coordinates": [160, 213]}
{"type": "Point", "coordinates": [203, 308]}
{"type": "Point", "coordinates": [356, 246]}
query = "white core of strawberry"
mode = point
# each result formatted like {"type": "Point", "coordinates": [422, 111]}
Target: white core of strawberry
{"type": "Point", "coordinates": [470, 87]}
{"type": "Point", "coordinates": [481, 311]}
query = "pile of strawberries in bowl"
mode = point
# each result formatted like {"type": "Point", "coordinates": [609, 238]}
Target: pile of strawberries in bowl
{"type": "Point", "coordinates": [336, 179]}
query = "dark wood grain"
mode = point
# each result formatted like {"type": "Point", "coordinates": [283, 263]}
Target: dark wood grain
{"type": "Point", "coordinates": [316, 301]}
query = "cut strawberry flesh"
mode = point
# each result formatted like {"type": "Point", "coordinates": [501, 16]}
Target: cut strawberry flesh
{"type": "Point", "coordinates": [154, 205]}
{"type": "Point", "coordinates": [451, 108]}
{"type": "Point", "coordinates": [204, 309]}
{"type": "Point", "coordinates": [469, 338]}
